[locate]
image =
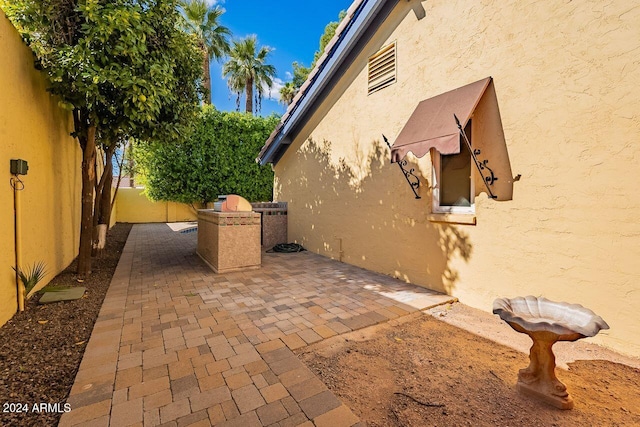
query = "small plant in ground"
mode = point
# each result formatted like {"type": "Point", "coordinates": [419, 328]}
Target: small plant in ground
{"type": "Point", "coordinates": [31, 276]}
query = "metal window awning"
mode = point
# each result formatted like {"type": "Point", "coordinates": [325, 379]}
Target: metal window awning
{"type": "Point", "coordinates": [432, 123]}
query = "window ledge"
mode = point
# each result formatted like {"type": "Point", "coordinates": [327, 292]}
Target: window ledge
{"type": "Point", "coordinates": [451, 218]}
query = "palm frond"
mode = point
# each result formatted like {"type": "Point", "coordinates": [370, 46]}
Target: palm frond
{"type": "Point", "coordinates": [247, 66]}
{"type": "Point", "coordinates": [204, 22]}
{"type": "Point", "coordinates": [32, 275]}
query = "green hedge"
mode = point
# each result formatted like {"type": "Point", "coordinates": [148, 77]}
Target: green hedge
{"type": "Point", "coordinates": [217, 157]}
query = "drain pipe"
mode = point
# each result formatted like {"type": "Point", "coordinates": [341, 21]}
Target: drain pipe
{"type": "Point", "coordinates": [341, 252]}
{"type": "Point", "coordinates": [18, 186]}
{"type": "Point", "coordinates": [17, 167]}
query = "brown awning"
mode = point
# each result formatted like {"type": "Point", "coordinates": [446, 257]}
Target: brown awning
{"type": "Point", "coordinates": [432, 124]}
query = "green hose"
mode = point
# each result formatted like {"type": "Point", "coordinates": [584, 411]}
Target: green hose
{"type": "Point", "coordinates": [287, 248]}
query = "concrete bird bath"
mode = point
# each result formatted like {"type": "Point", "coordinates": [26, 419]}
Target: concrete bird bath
{"type": "Point", "coordinates": [546, 322]}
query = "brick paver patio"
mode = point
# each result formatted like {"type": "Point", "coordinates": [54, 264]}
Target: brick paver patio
{"type": "Point", "coordinates": [177, 345]}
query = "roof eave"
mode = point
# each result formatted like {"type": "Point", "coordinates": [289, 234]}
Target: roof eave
{"type": "Point", "coordinates": [364, 12]}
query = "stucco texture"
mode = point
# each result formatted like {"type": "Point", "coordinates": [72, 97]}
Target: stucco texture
{"type": "Point", "coordinates": [34, 128]}
{"type": "Point", "coordinates": [132, 205]}
{"type": "Point", "coordinates": [565, 91]}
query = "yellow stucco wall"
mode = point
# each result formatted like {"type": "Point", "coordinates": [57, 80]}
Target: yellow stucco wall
{"type": "Point", "coordinates": [133, 206]}
{"type": "Point", "coordinates": [566, 83]}
{"type": "Point", "coordinates": [33, 128]}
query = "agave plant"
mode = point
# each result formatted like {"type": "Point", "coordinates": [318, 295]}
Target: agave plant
{"type": "Point", "coordinates": [31, 276]}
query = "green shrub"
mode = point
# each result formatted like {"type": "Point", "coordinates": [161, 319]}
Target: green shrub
{"type": "Point", "coordinates": [217, 157]}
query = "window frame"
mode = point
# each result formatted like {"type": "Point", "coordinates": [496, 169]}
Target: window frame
{"type": "Point", "coordinates": [436, 172]}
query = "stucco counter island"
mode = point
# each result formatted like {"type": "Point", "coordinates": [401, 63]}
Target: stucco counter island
{"type": "Point", "coordinates": [229, 241]}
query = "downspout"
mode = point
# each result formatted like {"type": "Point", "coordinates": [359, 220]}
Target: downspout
{"type": "Point", "coordinates": [341, 252]}
{"type": "Point", "coordinates": [17, 185]}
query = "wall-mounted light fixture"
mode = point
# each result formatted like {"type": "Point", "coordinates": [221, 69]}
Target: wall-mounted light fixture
{"type": "Point", "coordinates": [19, 167]}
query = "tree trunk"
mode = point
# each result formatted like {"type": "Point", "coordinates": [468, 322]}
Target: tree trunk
{"type": "Point", "coordinates": [88, 145]}
{"type": "Point", "coordinates": [115, 192]}
{"type": "Point", "coordinates": [249, 94]}
{"type": "Point", "coordinates": [96, 207]}
{"type": "Point", "coordinates": [105, 204]}
{"type": "Point", "coordinates": [206, 81]}
{"type": "Point", "coordinates": [102, 204]}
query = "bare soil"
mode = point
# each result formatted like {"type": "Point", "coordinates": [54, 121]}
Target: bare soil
{"type": "Point", "coordinates": [41, 347]}
{"type": "Point", "coordinates": [418, 371]}
{"type": "Point", "coordinates": [422, 372]}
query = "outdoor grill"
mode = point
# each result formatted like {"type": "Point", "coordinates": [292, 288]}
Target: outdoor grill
{"type": "Point", "coordinates": [273, 221]}
{"type": "Point", "coordinates": [229, 235]}
{"type": "Point", "coordinates": [232, 203]}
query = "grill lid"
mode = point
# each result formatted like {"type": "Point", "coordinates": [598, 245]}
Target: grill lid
{"type": "Point", "coordinates": [232, 203]}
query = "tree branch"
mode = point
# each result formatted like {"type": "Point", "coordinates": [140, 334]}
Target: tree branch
{"type": "Point", "coordinates": [431, 405]}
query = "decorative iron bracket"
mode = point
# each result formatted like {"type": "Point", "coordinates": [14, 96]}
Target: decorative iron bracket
{"type": "Point", "coordinates": [481, 165]}
{"type": "Point", "coordinates": [411, 178]}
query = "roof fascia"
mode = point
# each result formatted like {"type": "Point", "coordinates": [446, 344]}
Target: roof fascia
{"type": "Point", "coordinates": [367, 14]}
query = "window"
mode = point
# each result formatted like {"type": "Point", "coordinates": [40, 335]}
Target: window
{"type": "Point", "coordinates": [454, 190]}
{"type": "Point", "coordinates": [382, 68]}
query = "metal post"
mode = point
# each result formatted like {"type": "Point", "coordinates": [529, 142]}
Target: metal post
{"type": "Point", "coordinates": [480, 165]}
{"type": "Point", "coordinates": [416, 183]}
{"type": "Point", "coordinates": [17, 185]}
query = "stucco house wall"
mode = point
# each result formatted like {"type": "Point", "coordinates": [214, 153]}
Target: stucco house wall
{"type": "Point", "coordinates": [34, 128]}
{"type": "Point", "coordinates": [566, 84]}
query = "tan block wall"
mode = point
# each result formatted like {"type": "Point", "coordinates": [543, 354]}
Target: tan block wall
{"type": "Point", "coordinates": [33, 128]}
{"type": "Point", "coordinates": [132, 205]}
{"type": "Point", "coordinates": [274, 230]}
{"type": "Point", "coordinates": [273, 222]}
{"type": "Point", "coordinates": [565, 78]}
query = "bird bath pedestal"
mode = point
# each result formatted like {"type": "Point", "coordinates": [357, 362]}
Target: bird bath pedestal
{"type": "Point", "coordinates": [546, 322]}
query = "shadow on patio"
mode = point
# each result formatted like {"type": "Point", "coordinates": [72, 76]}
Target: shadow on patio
{"type": "Point", "coordinates": [176, 343]}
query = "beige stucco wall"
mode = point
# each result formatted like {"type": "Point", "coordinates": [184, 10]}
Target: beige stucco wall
{"type": "Point", "coordinates": [566, 83]}
{"type": "Point", "coordinates": [132, 205]}
{"type": "Point", "coordinates": [33, 128]}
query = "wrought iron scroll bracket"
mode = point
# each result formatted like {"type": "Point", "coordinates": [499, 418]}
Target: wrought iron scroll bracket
{"type": "Point", "coordinates": [481, 165]}
{"type": "Point", "coordinates": [409, 175]}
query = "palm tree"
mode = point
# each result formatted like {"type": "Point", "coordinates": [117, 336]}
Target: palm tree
{"type": "Point", "coordinates": [213, 38]}
{"type": "Point", "coordinates": [247, 70]}
{"type": "Point", "coordinates": [287, 93]}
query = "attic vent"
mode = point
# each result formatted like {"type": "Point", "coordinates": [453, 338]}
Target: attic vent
{"type": "Point", "coordinates": [382, 68]}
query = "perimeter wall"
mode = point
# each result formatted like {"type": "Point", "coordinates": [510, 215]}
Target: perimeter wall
{"type": "Point", "coordinates": [35, 129]}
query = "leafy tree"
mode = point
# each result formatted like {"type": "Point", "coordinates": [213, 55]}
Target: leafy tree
{"type": "Point", "coordinates": [122, 67]}
{"type": "Point", "coordinates": [247, 70]}
{"type": "Point", "coordinates": [300, 74]}
{"type": "Point", "coordinates": [213, 38]}
{"type": "Point", "coordinates": [218, 157]}
{"type": "Point", "coordinates": [287, 93]}
{"type": "Point", "coordinates": [290, 89]}
{"type": "Point", "coordinates": [325, 38]}
{"type": "Point", "coordinates": [176, 113]}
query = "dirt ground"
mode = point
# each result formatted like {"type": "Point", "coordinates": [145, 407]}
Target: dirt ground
{"type": "Point", "coordinates": [423, 371]}
{"type": "Point", "coordinates": [41, 347]}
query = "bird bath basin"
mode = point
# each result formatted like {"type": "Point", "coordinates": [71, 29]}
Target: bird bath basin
{"type": "Point", "coordinates": [546, 322]}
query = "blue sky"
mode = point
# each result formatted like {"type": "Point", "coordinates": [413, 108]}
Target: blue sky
{"type": "Point", "coordinates": [291, 27]}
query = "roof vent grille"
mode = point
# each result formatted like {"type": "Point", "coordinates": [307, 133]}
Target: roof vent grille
{"type": "Point", "coordinates": [382, 68]}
